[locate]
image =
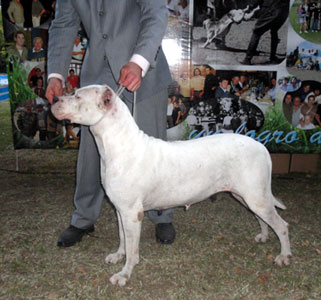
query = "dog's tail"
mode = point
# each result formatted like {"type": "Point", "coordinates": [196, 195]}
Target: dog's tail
{"type": "Point", "coordinates": [278, 203]}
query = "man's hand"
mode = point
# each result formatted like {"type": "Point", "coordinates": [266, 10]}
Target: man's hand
{"type": "Point", "coordinates": [54, 89]}
{"type": "Point", "coordinates": [131, 76]}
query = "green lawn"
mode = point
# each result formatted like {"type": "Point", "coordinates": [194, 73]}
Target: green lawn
{"type": "Point", "coordinates": [5, 125]}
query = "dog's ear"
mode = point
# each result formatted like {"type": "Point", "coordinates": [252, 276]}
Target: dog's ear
{"type": "Point", "coordinates": [106, 98]}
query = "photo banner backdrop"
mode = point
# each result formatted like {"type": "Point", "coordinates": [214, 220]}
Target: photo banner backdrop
{"type": "Point", "coordinates": [249, 67]}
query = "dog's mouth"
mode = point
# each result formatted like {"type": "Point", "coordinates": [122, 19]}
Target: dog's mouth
{"type": "Point", "coordinates": [60, 115]}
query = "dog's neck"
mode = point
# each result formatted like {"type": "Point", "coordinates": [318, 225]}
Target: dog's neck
{"type": "Point", "coordinates": [117, 131]}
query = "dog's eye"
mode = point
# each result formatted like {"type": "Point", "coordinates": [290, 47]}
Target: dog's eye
{"type": "Point", "coordinates": [77, 97]}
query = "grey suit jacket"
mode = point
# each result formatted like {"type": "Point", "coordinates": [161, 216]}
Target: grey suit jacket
{"type": "Point", "coordinates": [116, 29]}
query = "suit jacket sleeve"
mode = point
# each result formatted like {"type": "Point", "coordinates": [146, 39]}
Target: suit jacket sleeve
{"type": "Point", "coordinates": [62, 34]}
{"type": "Point", "coordinates": [153, 23]}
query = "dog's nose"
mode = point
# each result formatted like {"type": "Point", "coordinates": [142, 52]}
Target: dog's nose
{"type": "Point", "coordinates": [55, 100]}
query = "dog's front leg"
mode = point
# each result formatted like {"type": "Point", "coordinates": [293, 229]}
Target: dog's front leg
{"type": "Point", "coordinates": [131, 221]}
{"type": "Point", "coordinates": [210, 37]}
{"type": "Point", "coordinates": [117, 256]}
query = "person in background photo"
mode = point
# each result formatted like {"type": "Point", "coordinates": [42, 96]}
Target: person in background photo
{"type": "Point", "coordinates": [285, 84]}
{"type": "Point", "coordinates": [304, 92]}
{"type": "Point", "coordinates": [310, 14]}
{"type": "Point", "coordinates": [272, 16]}
{"type": "Point", "coordinates": [210, 84]}
{"type": "Point", "coordinates": [183, 10]}
{"type": "Point", "coordinates": [296, 111]}
{"type": "Point", "coordinates": [310, 107]}
{"type": "Point", "coordinates": [69, 89]}
{"type": "Point", "coordinates": [73, 79]}
{"type": "Point", "coordinates": [172, 6]}
{"type": "Point", "coordinates": [16, 13]}
{"type": "Point", "coordinates": [39, 89]}
{"type": "Point", "coordinates": [35, 75]}
{"type": "Point", "coordinates": [223, 90]}
{"type": "Point", "coordinates": [316, 93]}
{"type": "Point", "coordinates": [302, 19]}
{"type": "Point", "coordinates": [176, 114]}
{"type": "Point", "coordinates": [78, 50]}
{"type": "Point", "coordinates": [37, 11]}
{"type": "Point", "coordinates": [316, 18]}
{"type": "Point", "coordinates": [197, 86]}
{"type": "Point", "coordinates": [182, 107]}
{"type": "Point", "coordinates": [306, 123]}
{"type": "Point", "coordinates": [293, 85]}
{"type": "Point", "coordinates": [287, 107]}
{"type": "Point", "coordinates": [244, 83]}
{"type": "Point", "coordinates": [37, 52]}
{"type": "Point", "coordinates": [170, 108]}
{"type": "Point", "coordinates": [19, 50]}
{"type": "Point", "coordinates": [305, 5]}
{"type": "Point", "coordinates": [184, 83]}
{"type": "Point", "coordinates": [272, 90]}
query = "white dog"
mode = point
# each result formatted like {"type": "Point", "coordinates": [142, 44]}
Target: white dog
{"type": "Point", "coordinates": [142, 173]}
{"type": "Point", "coordinates": [214, 29]}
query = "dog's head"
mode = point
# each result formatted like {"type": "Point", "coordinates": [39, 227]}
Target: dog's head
{"type": "Point", "coordinates": [87, 106]}
{"type": "Point", "coordinates": [236, 15]}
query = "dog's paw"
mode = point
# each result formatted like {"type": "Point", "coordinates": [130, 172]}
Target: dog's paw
{"type": "Point", "coordinates": [114, 258]}
{"type": "Point", "coordinates": [119, 279]}
{"type": "Point", "coordinates": [261, 238]}
{"type": "Point", "coordinates": [282, 260]}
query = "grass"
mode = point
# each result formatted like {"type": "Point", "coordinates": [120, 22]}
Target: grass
{"type": "Point", "coordinates": [313, 37]}
{"type": "Point", "coordinates": [5, 125]}
{"type": "Point", "coordinates": [214, 255]}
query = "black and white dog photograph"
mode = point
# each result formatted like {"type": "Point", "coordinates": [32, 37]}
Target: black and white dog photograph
{"type": "Point", "coordinates": [233, 32]}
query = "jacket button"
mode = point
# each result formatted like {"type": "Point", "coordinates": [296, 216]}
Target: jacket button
{"type": "Point", "coordinates": [101, 13]}
{"type": "Point", "coordinates": [105, 36]}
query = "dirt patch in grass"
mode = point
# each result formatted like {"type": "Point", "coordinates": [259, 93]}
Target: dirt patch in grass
{"type": "Point", "coordinates": [213, 257]}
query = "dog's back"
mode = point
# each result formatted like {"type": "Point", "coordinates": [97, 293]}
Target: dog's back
{"type": "Point", "coordinates": [173, 170]}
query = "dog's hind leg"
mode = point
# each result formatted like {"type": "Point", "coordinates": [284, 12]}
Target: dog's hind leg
{"type": "Point", "coordinates": [117, 256]}
{"type": "Point", "coordinates": [210, 38]}
{"type": "Point", "coordinates": [268, 214]}
{"type": "Point", "coordinates": [263, 236]}
{"type": "Point", "coordinates": [131, 220]}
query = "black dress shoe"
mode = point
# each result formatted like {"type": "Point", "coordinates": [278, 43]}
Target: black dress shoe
{"type": "Point", "coordinates": [165, 233]}
{"type": "Point", "coordinates": [72, 235]}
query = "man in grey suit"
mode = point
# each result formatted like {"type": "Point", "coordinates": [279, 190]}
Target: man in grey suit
{"type": "Point", "coordinates": [124, 48]}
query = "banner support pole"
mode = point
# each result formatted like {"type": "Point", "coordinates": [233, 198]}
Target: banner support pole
{"type": "Point", "coordinates": [17, 160]}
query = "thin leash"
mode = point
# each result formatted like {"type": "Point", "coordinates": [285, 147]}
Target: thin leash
{"type": "Point", "coordinates": [119, 91]}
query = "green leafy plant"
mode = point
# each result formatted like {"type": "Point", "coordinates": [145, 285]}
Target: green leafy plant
{"type": "Point", "coordinates": [275, 121]}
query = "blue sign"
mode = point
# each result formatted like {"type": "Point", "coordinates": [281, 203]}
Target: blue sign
{"type": "Point", "coordinates": [4, 90]}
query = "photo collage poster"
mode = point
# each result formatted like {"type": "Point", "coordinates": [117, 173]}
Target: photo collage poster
{"type": "Point", "coordinates": [249, 67]}
{"type": "Point", "coordinates": [26, 25]}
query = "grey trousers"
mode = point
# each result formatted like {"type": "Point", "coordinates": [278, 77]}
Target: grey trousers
{"type": "Point", "coordinates": [89, 194]}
